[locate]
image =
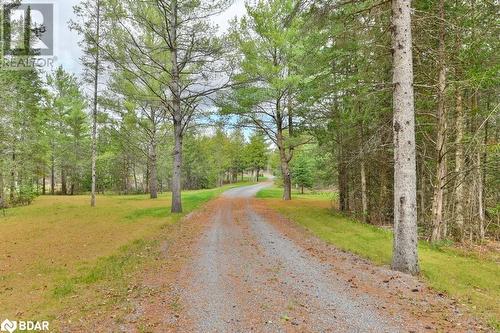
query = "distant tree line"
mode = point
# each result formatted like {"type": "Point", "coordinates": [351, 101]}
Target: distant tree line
{"type": "Point", "coordinates": [51, 153]}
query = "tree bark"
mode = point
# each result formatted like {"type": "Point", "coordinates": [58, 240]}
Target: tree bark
{"type": "Point", "coordinates": [136, 183]}
{"type": "Point", "coordinates": [480, 200]}
{"type": "Point", "coordinates": [146, 183]}
{"type": "Point", "coordinates": [44, 187]}
{"type": "Point", "coordinates": [285, 168]}
{"type": "Point", "coordinates": [64, 188]}
{"type": "Point", "coordinates": [284, 157]}
{"type": "Point", "coordinates": [126, 175]}
{"type": "Point", "coordinates": [287, 181]}
{"type": "Point", "coordinates": [482, 170]}
{"type": "Point", "coordinates": [459, 167]}
{"type": "Point", "coordinates": [364, 198]}
{"type": "Point", "coordinates": [438, 197]}
{"type": "Point", "coordinates": [177, 112]}
{"type": "Point", "coordinates": [153, 177]}
{"type": "Point", "coordinates": [405, 257]}
{"type": "Point", "coordinates": [342, 175]}
{"type": "Point", "coordinates": [94, 111]}
{"type": "Point", "coordinates": [177, 169]}
{"type": "Point", "coordinates": [13, 177]}
{"type": "Point", "coordinates": [384, 198]}
{"type": "Point", "coordinates": [2, 186]}
{"type": "Point", "coordinates": [343, 179]}
{"type": "Point", "coordinates": [422, 193]}
{"type": "Point", "coordinates": [53, 174]}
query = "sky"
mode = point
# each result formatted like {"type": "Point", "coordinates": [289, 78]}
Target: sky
{"type": "Point", "coordinates": [67, 50]}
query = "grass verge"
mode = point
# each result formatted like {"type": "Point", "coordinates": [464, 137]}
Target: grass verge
{"type": "Point", "coordinates": [473, 280]}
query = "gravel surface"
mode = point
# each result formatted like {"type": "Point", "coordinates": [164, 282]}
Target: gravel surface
{"type": "Point", "coordinates": [247, 276]}
{"type": "Point", "coordinates": [332, 303]}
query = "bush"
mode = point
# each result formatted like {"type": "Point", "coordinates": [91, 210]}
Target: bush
{"type": "Point", "coordinates": [25, 197]}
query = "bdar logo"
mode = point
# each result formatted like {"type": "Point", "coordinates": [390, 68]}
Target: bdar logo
{"type": "Point", "coordinates": [8, 326]}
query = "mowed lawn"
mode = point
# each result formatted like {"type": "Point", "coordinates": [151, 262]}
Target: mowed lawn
{"type": "Point", "coordinates": [473, 279]}
{"type": "Point", "coordinates": [60, 245]}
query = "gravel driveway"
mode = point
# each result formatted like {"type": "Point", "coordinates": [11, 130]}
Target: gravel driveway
{"type": "Point", "coordinates": [247, 275]}
{"type": "Point", "coordinates": [238, 266]}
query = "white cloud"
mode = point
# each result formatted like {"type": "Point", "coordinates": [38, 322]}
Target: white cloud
{"type": "Point", "coordinates": [236, 10]}
{"type": "Point", "coordinates": [67, 50]}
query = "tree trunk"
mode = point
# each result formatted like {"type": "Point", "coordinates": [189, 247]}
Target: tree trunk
{"type": "Point", "coordinates": [94, 111]}
{"type": "Point", "coordinates": [44, 187]}
{"type": "Point", "coordinates": [126, 175]}
{"type": "Point", "coordinates": [459, 168]}
{"type": "Point", "coordinates": [438, 198]}
{"type": "Point", "coordinates": [136, 183]}
{"type": "Point", "coordinates": [177, 112]}
{"type": "Point", "coordinates": [284, 158]}
{"type": "Point", "coordinates": [482, 170]}
{"type": "Point", "coordinates": [422, 192]}
{"type": "Point", "coordinates": [343, 178]}
{"type": "Point", "coordinates": [364, 198]}
{"type": "Point", "coordinates": [285, 168]}
{"type": "Point", "coordinates": [257, 178]}
{"type": "Point", "coordinates": [480, 200]}
{"type": "Point", "coordinates": [13, 177]}
{"type": "Point", "coordinates": [153, 177]}
{"type": "Point", "coordinates": [2, 185]}
{"type": "Point", "coordinates": [146, 183]}
{"type": "Point", "coordinates": [384, 205]}
{"type": "Point", "coordinates": [405, 257]}
{"type": "Point", "coordinates": [53, 175]}
{"type": "Point", "coordinates": [287, 181]}
{"type": "Point", "coordinates": [177, 170]}
{"type": "Point", "coordinates": [64, 188]}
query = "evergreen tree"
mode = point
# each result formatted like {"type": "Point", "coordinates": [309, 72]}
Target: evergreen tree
{"type": "Point", "coordinates": [302, 171]}
{"type": "Point", "coordinates": [257, 153]}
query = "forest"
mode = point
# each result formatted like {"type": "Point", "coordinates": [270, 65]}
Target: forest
{"type": "Point", "coordinates": [389, 109]}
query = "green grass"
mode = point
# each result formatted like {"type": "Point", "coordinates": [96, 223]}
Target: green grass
{"type": "Point", "coordinates": [61, 253]}
{"type": "Point", "coordinates": [148, 212]}
{"type": "Point", "coordinates": [474, 281]}
{"type": "Point", "coordinates": [110, 268]}
{"type": "Point", "coordinates": [277, 193]}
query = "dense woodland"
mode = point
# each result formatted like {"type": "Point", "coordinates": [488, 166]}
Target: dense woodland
{"type": "Point", "coordinates": [301, 88]}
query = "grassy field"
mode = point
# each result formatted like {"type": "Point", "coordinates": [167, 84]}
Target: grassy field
{"type": "Point", "coordinates": [59, 248]}
{"type": "Point", "coordinates": [472, 278]}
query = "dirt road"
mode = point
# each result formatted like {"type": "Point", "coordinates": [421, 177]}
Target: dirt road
{"type": "Point", "coordinates": [236, 266]}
